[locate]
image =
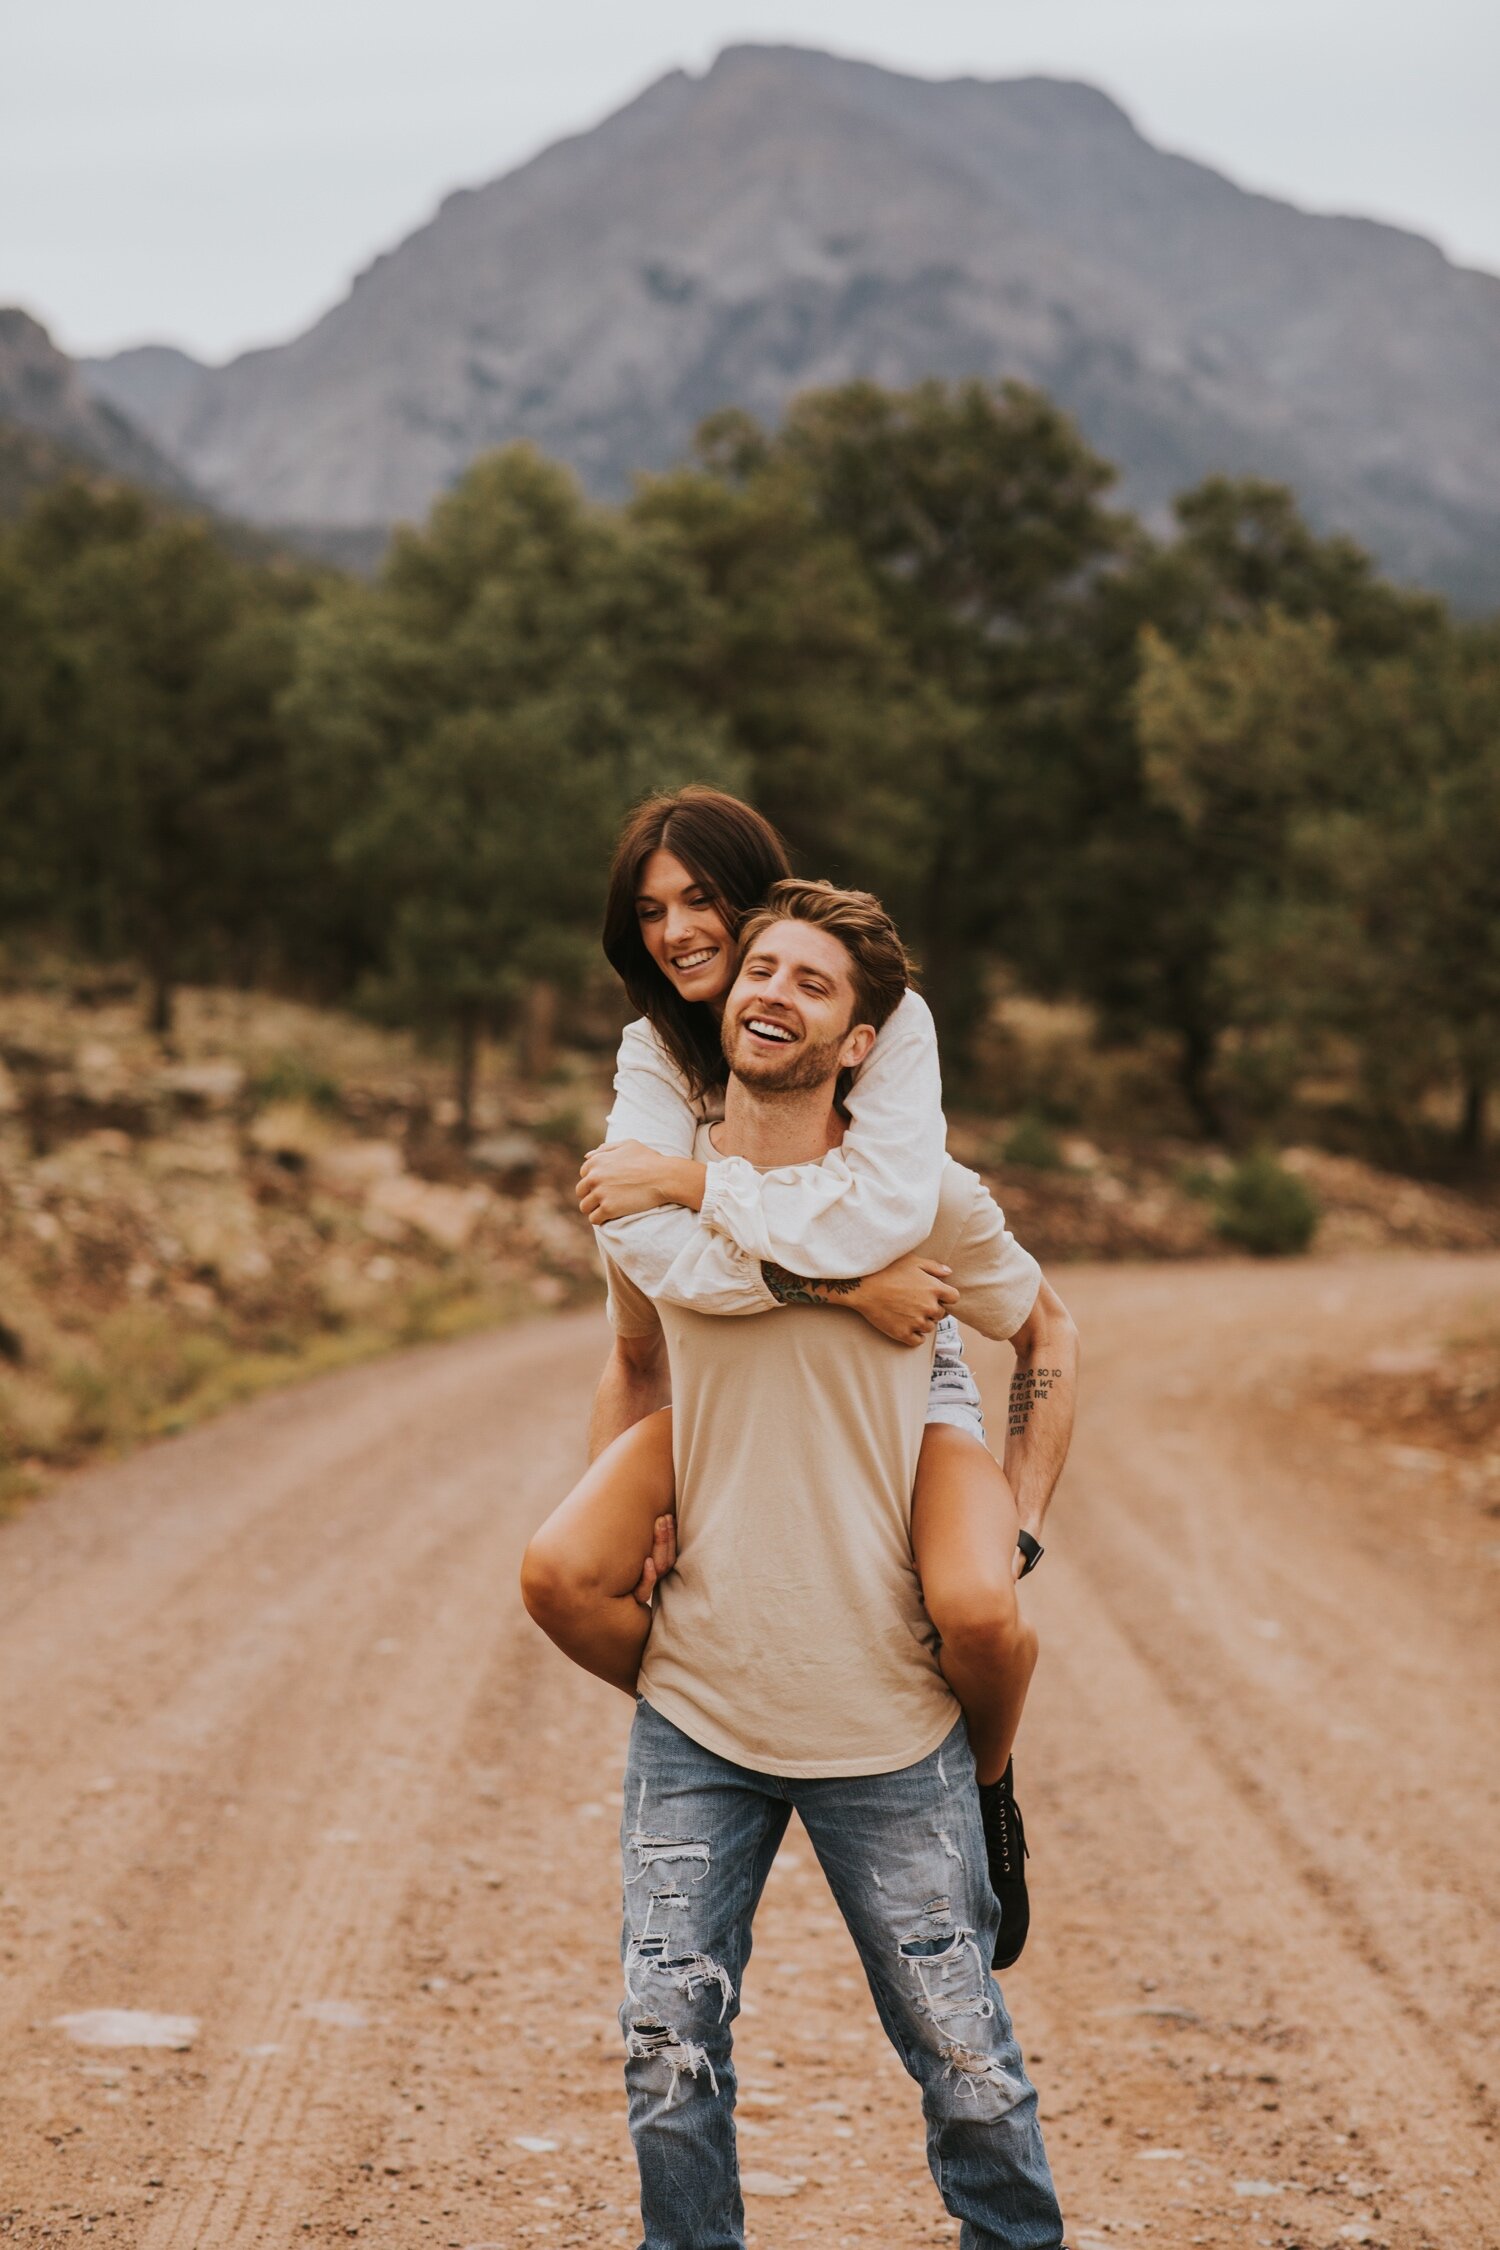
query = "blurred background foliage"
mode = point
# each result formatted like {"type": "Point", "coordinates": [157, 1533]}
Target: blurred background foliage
{"type": "Point", "coordinates": [1220, 784]}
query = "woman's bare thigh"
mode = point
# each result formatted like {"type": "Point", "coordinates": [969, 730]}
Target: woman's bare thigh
{"type": "Point", "coordinates": [963, 1526]}
{"type": "Point", "coordinates": [600, 1534]}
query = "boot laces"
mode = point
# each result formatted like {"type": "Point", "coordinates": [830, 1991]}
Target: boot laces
{"type": "Point", "coordinates": [1012, 1830]}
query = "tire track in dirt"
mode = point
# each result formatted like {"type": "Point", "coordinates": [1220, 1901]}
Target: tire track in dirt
{"type": "Point", "coordinates": [1305, 1974]}
{"type": "Point", "coordinates": [1292, 1667]}
{"type": "Point", "coordinates": [334, 1933]}
{"type": "Point", "coordinates": [402, 1532]}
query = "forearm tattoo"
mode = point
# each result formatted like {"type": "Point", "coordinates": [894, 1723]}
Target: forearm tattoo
{"type": "Point", "coordinates": [796, 1289]}
{"type": "Point", "coordinates": [1028, 1386]}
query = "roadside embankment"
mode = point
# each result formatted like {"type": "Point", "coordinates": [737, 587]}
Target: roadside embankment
{"type": "Point", "coordinates": [281, 1193]}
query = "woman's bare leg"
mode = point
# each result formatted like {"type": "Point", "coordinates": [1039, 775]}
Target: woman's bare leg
{"type": "Point", "coordinates": [963, 1527]}
{"type": "Point", "coordinates": [581, 1576]}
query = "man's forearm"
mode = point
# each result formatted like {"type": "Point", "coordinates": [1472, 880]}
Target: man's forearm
{"type": "Point", "coordinates": [1039, 1423]}
{"type": "Point", "coordinates": [674, 1260]}
{"type": "Point", "coordinates": [633, 1385]}
{"type": "Point", "coordinates": [799, 1289]}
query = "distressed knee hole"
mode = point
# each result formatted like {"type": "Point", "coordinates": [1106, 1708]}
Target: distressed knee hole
{"type": "Point", "coordinates": [982, 2079]}
{"type": "Point", "coordinates": [684, 2058]}
{"type": "Point", "coordinates": [667, 1851]}
{"type": "Point", "coordinates": [934, 1931]}
{"type": "Point", "coordinates": [931, 1948]}
{"type": "Point", "coordinates": [687, 1973]}
{"type": "Point", "coordinates": [945, 1968]}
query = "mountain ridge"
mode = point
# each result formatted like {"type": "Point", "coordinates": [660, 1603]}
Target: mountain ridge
{"type": "Point", "coordinates": [44, 397]}
{"type": "Point", "coordinates": [789, 219]}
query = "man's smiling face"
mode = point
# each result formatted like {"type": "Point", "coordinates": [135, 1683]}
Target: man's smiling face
{"type": "Point", "coordinates": [788, 1018]}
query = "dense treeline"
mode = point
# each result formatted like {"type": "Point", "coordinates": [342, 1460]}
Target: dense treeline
{"type": "Point", "coordinates": [1228, 786]}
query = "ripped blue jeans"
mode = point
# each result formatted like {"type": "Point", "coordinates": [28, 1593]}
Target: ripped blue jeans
{"type": "Point", "coordinates": [904, 1856]}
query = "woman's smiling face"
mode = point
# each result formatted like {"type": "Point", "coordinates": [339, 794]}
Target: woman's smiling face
{"type": "Point", "coordinates": [683, 930]}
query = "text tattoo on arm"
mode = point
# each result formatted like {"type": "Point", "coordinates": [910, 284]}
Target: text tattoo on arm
{"type": "Point", "coordinates": [1028, 1386]}
{"type": "Point", "coordinates": [796, 1289]}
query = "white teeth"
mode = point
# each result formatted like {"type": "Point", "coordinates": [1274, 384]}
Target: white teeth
{"type": "Point", "coordinates": [767, 1030]}
{"type": "Point", "coordinates": [694, 960]}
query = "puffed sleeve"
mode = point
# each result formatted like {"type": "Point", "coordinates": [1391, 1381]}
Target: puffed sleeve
{"type": "Point", "coordinates": [668, 1252]}
{"type": "Point", "coordinates": [870, 1200]}
{"type": "Point", "coordinates": [652, 1101]}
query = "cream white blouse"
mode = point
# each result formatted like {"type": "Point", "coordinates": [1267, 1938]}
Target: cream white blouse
{"type": "Point", "coordinates": [869, 1201]}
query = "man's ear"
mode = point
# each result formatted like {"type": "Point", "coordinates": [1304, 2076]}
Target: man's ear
{"type": "Point", "coordinates": [856, 1046]}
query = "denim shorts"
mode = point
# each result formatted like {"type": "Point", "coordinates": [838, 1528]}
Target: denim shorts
{"type": "Point", "coordinates": [954, 1394]}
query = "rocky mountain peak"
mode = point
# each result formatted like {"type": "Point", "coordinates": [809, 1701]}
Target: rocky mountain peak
{"type": "Point", "coordinates": [790, 218]}
{"type": "Point", "coordinates": [43, 392]}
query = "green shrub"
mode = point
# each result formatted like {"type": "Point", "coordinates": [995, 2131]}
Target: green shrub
{"type": "Point", "coordinates": [290, 1077]}
{"type": "Point", "coordinates": [562, 1128]}
{"type": "Point", "coordinates": [1032, 1141]}
{"type": "Point", "coordinates": [142, 1365]}
{"type": "Point", "coordinates": [1265, 1208]}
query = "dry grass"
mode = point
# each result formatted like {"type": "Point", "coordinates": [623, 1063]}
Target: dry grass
{"type": "Point", "coordinates": [280, 1195]}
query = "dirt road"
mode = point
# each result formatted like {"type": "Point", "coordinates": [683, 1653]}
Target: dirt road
{"type": "Point", "coordinates": [281, 1754]}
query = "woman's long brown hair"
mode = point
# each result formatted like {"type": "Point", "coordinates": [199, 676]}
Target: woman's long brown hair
{"type": "Point", "coordinates": [736, 855]}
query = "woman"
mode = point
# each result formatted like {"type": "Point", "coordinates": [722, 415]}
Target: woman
{"type": "Point", "coordinates": [688, 867]}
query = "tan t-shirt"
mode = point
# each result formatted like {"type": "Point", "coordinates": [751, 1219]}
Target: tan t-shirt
{"type": "Point", "coordinates": [791, 1637]}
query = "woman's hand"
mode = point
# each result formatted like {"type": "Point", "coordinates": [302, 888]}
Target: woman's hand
{"type": "Point", "coordinates": [661, 1561]}
{"type": "Point", "coordinates": [627, 1177]}
{"type": "Point", "coordinates": [906, 1300]}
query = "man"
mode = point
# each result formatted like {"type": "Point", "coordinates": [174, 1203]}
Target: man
{"type": "Point", "coordinates": [790, 1665]}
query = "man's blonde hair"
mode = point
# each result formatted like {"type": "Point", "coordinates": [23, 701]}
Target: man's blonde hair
{"type": "Point", "coordinates": [880, 966]}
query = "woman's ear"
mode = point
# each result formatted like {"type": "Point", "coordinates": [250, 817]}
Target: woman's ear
{"type": "Point", "coordinates": [856, 1046]}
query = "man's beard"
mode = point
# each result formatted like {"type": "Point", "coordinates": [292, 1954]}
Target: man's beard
{"type": "Point", "coordinates": [796, 1072]}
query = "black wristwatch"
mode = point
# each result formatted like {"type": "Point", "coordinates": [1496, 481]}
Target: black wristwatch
{"type": "Point", "coordinates": [1031, 1548]}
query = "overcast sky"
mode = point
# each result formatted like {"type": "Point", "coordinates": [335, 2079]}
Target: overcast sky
{"type": "Point", "coordinates": [213, 175]}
